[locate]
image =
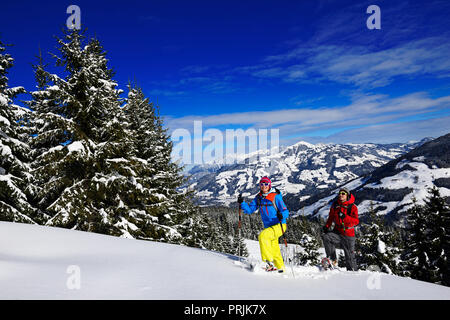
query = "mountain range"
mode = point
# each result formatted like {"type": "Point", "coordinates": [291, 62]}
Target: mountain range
{"type": "Point", "coordinates": [301, 172]}
{"type": "Point", "coordinates": [390, 188]}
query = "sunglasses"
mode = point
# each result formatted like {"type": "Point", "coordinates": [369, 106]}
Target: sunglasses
{"type": "Point", "coordinates": [342, 193]}
{"type": "Point", "coordinates": [264, 184]}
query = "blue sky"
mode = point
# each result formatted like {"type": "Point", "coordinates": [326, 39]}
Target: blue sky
{"type": "Point", "coordinates": [311, 69]}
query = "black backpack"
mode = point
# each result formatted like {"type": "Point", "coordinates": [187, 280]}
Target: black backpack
{"type": "Point", "coordinates": [349, 210]}
{"type": "Point", "coordinates": [349, 207]}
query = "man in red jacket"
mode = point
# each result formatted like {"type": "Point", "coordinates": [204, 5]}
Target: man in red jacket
{"type": "Point", "coordinates": [344, 215]}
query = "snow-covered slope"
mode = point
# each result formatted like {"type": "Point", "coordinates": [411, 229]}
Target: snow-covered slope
{"type": "Point", "coordinates": [38, 262]}
{"type": "Point", "coordinates": [299, 171]}
{"type": "Point", "coordinates": [391, 187]}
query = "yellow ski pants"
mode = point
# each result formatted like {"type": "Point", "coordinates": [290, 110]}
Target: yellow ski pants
{"type": "Point", "coordinates": [268, 243]}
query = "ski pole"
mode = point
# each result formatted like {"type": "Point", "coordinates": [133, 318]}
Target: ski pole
{"type": "Point", "coordinates": [285, 243]}
{"type": "Point", "coordinates": [240, 214]}
{"type": "Point", "coordinates": [239, 232]}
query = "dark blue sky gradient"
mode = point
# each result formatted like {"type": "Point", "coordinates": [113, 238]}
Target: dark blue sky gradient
{"type": "Point", "coordinates": [206, 58]}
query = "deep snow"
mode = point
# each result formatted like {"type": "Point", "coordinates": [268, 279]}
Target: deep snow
{"type": "Point", "coordinates": [38, 262]}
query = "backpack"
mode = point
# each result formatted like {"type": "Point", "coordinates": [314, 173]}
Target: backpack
{"type": "Point", "coordinates": [349, 207]}
{"type": "Point", "coordinates": [349, 210]}
{"type": "Point", "coordinates": [270, 197]}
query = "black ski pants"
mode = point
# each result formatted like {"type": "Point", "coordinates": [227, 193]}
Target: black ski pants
{"type": "Point", "coordinates": [333, 239]}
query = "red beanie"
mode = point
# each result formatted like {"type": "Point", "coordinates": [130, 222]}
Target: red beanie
{"type": "Point", "coordinates": [266, 180]}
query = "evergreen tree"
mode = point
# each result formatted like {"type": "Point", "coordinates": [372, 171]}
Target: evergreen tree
{"type": "Point", "coordinates": [341, 259]}
{"type": "Point", "coordinates": [78, 126]}
{"type": "Point", "coordinates": [48, 130]}
{"type": "Point", "coordinates": [437, 213]}
{"type": "Point", "coordinates": [445, 268]}
{"type": "Point", "coordinates": [376, 245]}
{"type": "Point", "coordinates": [416, 262]}
{"type": "Point", "coordinates": [100, 167]}
{"type": "Point", "coordinates": [14, 152]}
{"type": "Point", "coordinates": [239, 247]}
{"type": "Point", "coordinates": [218, 241]}
{"type": "Point", "coordinates": [310, 254]}
{"type": "Point", "coordinates": [196, 230]}
{"type": "Point", "coordinates": [157, 179]}
{"type": "Point", "coordinates": [226, 244]}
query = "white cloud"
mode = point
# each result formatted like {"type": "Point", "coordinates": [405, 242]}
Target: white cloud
{"type": "Point", "coordinates": [384, 133]}
{"type": "Point", "coordinates": [167, 93]}
{"type": "Point", "coordinates": [357, 65]}
{"type": "Point", "coordinates": [363, 110]}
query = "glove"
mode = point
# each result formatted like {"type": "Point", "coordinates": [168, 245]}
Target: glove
{"type": "Point", "coordinates": [341, 215]}
{"type": "Point", "coordinates": [325, 229]}
{"type": "Point", "coordinates": [279, 215]}
{"type": "Point", "coordinates": [240, 199]}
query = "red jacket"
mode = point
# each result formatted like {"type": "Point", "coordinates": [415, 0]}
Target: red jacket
{"type": "Point", "coordinates": [343, 226]}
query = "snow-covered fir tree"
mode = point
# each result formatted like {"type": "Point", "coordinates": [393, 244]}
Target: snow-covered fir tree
{"type": "Point", "coordinates": [48, 131]}
{"type": "Point", "coordinates": [99, 166]}
{"type": "Point", "coordinates": [231, 233]}
{"type": "Point", "coordinates": [14, 152]}
{"type": "Point", "coordinates": [221, 240]}
{"type": "Point", "coordinates": [239, 247]}
{"type": "Point", "coordinates": [215, 241]}
{"type": "Point", "coordinates": [376, 245]}
{"type": "Point", "coordinates": [156, 178]}
{"type": "Point", "coordinates": [416, 262]}
{"type": "Point", "coordinates": [446, 248]}
{"type": "Point", "coordinates": [73, 114]}
{"type": "Point", "coordinates": [309, 255]}
{"type": "Point", "coordinates": [341, 259]}
{"type": "Point", "coordinates": [438, 214]}
{"type": "Point", "coordinates": [196, 230]}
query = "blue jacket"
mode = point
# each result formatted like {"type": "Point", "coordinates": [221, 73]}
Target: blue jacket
{"type": "Point", "coordinates": [267, 211]}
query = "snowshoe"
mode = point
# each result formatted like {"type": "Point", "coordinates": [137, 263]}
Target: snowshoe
{"type": "Point", "coordinates": [326, 264]}
{"type": "Point", "coordinates": [334, 264]}
{"type": "Point", "coordinates": [270, 267]}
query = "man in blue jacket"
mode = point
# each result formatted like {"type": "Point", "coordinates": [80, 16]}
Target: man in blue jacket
{"type": "Point", "coordinates": [273, 214]}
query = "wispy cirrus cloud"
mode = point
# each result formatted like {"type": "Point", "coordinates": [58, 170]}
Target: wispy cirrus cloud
{"type": "Point", "coordinates": [194, 81]}
{"type": "Point", "coordinates": [364, 110]}
{"type": "Point", "coordinates": [412, 43]}
{"type": "Point", "coordinates": [166, 93]}
{"type": "Point", "coordinates": [357, 65]}
{"type": "Point", "coordinates": [383, 133]}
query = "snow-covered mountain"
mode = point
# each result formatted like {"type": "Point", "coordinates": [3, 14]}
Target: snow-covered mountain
{"type": "Point", "coordinates": [298, 171]}
{"type": "Point", "coordinates": [52, 263]}
{"type": "Point", "coordinates": [392, 186]}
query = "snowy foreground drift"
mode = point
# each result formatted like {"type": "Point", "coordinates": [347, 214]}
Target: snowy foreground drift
{"type": "Point", "coordinates": [39, 262]}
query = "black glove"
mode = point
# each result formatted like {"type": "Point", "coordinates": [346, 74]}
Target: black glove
{"type": "Point", "coordinates": [325, 229]}
{"type": "Point", "coordinates": [341, 215]}
{"type": "Point", "coordinates": [240, 199]}
{"type": "Point", "coordinates": [279, 215]}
